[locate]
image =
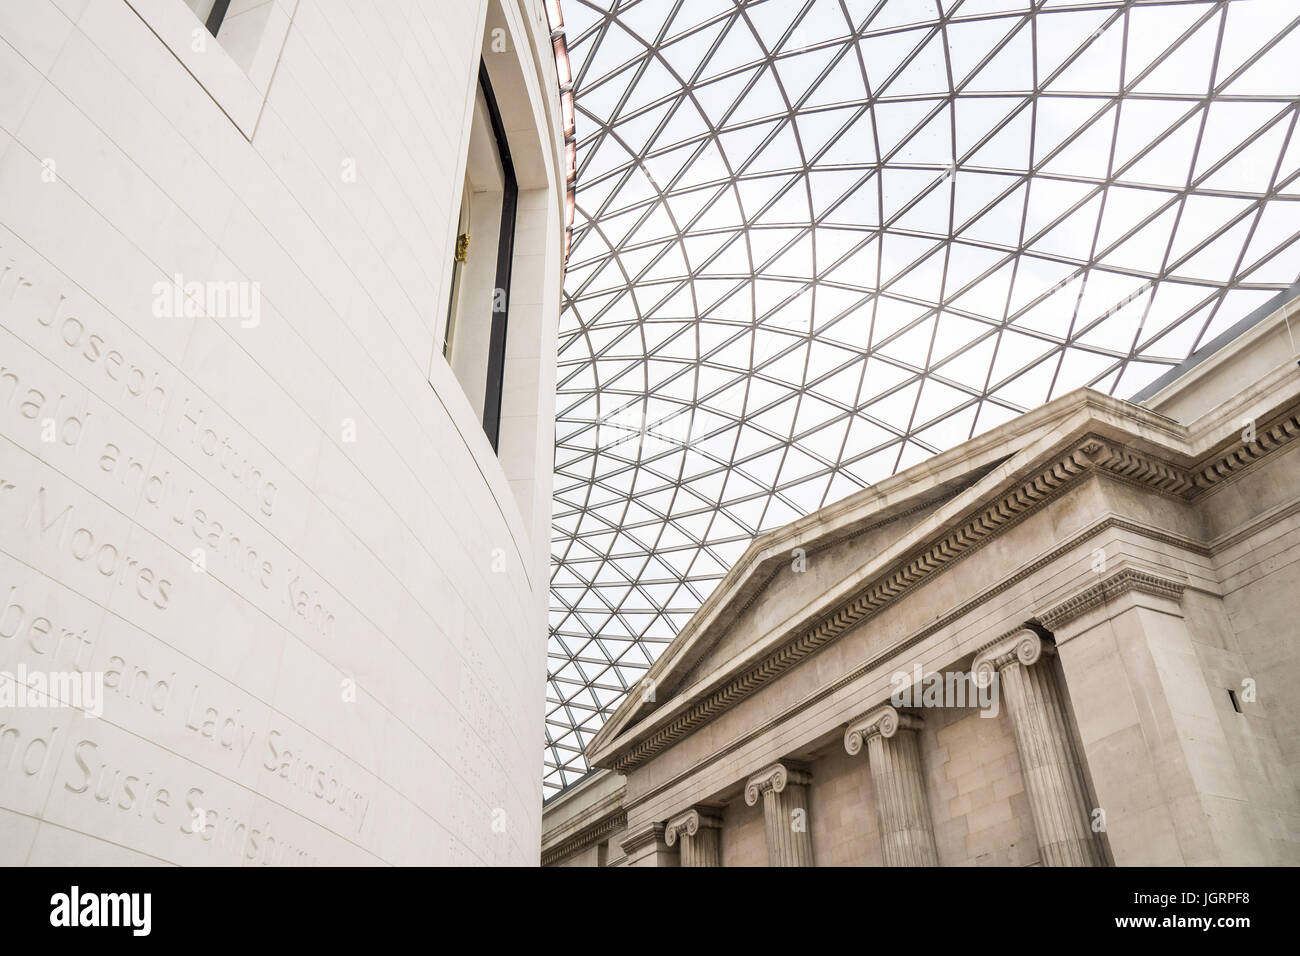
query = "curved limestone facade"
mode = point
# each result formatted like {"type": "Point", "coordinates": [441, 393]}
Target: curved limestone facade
{"type": "Point", "coordinates": [251, 523]}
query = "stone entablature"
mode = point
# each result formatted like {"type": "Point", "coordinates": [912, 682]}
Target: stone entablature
{"type": "Point", "coordinates": [646, 836]}
{"type": "Point", "coordinates": [1123, 580]}
{"type": "Point", "coordinates": [586, 816]}
{"type": "Point", "coordinates": [585, 837]}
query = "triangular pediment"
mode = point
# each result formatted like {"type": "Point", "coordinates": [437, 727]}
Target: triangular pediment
{"type": "Point", "coordinates": [791, 562]}
{"type": "Point", "coordinates": [873, 545]}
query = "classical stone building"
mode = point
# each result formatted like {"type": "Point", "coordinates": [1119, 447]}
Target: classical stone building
{"type": "Point", "coordinates": [1071, 641]}
{"type": "Point", "coordinates": [279, 285]}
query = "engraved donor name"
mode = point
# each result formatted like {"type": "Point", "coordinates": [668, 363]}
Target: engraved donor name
{"type": "Point", "coordinates": [124, 380]}
{"type": "Point", "coordinates": [214, 528]}
{"type": "Point", "coordinates": [43, 636]}
{"type": "Point", "coordinates": [58, 421]}
{"type": "Point", "coordinates": [317, 781]}
{"type": "Point", "coordinates": [195, 428]}
{"type": "Point", "coordinates": [138, 685]}
{"type": "Point", "coordinates": [224, 727]}
{"type": "Point", "coordinates": [137, 795]}
{"type": "Point", "coordinates": [129, 379]}
{"type": "Point", "coordinates": [66, 531]}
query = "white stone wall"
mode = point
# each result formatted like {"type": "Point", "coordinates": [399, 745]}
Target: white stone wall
{"type": "Point", "coordinates": [1261, 657]}
{"type": "Point", "coordinates": [351, 670]}
{"type": "Point", "coordinates": [977, 796]}
{"type": "Point", "coordinates": [842, 811]}
{"type": "Point", "coordinates": [743, 838]}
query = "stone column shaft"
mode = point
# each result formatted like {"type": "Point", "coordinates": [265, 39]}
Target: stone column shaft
{"type": "Point", "coordinates": [1051, 771]}
{"type": "Point", "coordinates": [902, 808]}
{"type": "Point", "coordinates": [784, 789]}
{"type": "Point", "coordinates": [698, 833]}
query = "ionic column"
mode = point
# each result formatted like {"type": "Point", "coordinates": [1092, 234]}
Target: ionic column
{"type": "Point", "coordinates": [784, 789]}
{"type": "Point", "coordinates": [906, 833]}
{"type": "Point", "coordinates": [1053, 779]}
{"type": "Point", "coordinates": [698, 833]}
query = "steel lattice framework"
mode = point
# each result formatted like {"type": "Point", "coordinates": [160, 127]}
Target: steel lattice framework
{"type": "Point", "coordinates": [818, 241]}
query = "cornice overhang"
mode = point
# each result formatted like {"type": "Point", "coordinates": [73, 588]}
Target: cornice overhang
{"type": "Point", "coordinates": [1109, 588]}
{"type": "Point", "coordinates": [585, 815]}
{"type": "Point", "coordinates": [1024, 464]}
{"type": "Point", "coordinates": [587, 836]}
{"type": "Point", "coordinates": [644, 837]}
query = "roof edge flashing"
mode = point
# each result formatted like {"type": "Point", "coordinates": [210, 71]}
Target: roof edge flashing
{"type": "Point", "coordinates": [1285, 304]}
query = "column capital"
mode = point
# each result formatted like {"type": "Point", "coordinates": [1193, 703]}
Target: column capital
{"type": "Point", "coordinates": [776, 778]}
{"type": "Point", "coordinates": [884, 720]}
{"type": "Point", "coordinates": [1021, 645]}
{"type": "Point", "coordinates": [689, 823]}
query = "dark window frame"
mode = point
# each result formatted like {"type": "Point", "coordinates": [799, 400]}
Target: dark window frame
{"type": "Point", "coordinates": [216, 15]}
{"type": "Point", "coordinates": [505, 260]}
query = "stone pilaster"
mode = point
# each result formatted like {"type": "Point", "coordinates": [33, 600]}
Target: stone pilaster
{"type": "Point", "coordinates": [645, 846]}
{"type": "Point", "coordinates": [1156, 728]}
{"type": "Point", "coordinates": [698, 834]}
{"type": "Point", "coordinates": [1053, 778]}
{"type": "Point", "coordinates": [784, 789]}
{"type": "Point", "coordinates": [894, 754]}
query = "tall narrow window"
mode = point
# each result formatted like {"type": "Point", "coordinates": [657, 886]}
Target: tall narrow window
{"type": "Point", "coordinates": [474, 342]}
{"type": "Point", "coordinates": [241, 28]}
{"type": "Point", "coordinates": [230, 47]}
{"type": "Point", "coordinates": [216, 15]}
{"type": "Point", "coordinates": [211, 12]}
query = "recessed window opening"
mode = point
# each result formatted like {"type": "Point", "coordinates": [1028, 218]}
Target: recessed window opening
{"type": "Point", "coordinates": [239, 25]}
{"type": "Point", "coordinates": [216, 12]}
{"type": "Point", "coordinates": [474, 342]}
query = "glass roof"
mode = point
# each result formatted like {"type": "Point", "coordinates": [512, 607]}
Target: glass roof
{"type": "Point", "coordinates": [818, 241]}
